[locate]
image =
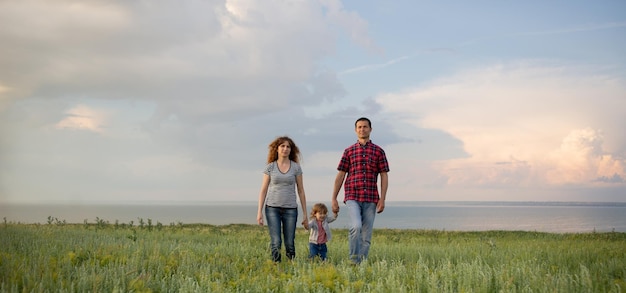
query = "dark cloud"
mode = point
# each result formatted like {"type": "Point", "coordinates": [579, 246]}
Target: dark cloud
{"type": "Point", "coordinates": [616, 178]}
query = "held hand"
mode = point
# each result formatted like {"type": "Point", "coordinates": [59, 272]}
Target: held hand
{"type": "Point", "coordinates": [380, 207]}
{"type": "Point", "coordinates": [305, 223]}
{"type": "Point", "coordinates": [335, 206]}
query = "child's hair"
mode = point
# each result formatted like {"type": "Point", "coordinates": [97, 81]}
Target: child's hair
{"type": "Point", "coordinates": [319, 207]}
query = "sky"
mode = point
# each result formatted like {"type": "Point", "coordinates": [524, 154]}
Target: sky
{"type": "Point", "coordinates": [177, 101]}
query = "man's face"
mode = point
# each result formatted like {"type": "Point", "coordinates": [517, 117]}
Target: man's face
{"type": "Point", "coordinates": [363, 130]}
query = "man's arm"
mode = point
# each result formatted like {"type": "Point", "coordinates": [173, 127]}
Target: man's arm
{"type": "Point", "coordinates": [341, 175]}
{"type": "Point", "coordinates": [384, 183]}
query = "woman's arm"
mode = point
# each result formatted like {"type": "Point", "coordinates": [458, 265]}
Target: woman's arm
{"type": "Point", "coordinates": [302, 196]}
{"type": "Point", "coordinates": [262, 195]}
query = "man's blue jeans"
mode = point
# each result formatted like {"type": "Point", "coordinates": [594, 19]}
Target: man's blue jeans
{"type": "Point", "coordinates": [362, 216]}
{"type": "Point", "coordinates": [282, 220]}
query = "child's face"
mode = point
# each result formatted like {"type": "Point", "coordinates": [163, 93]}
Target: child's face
{"type": "Point", "coordinates": [320, 216]}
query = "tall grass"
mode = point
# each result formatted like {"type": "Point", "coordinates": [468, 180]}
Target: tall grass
{"type": "Point", "coordinates": [103, 257]}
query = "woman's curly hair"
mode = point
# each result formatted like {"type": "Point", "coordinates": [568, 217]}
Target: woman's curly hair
{"type": "Point", "coordinates": [272, 154]}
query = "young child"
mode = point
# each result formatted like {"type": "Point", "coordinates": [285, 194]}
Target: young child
{"type": "Point", "coordinates": [319, 231]}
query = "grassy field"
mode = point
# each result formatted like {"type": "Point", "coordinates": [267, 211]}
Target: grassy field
{"type": "Point", "coordinates": [147, 257]}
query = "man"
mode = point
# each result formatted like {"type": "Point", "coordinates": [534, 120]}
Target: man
{"type": "Point", "coordinates": [362, 162]}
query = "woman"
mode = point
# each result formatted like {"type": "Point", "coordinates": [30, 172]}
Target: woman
{"type": "Point", "coordinates": [282, 176]}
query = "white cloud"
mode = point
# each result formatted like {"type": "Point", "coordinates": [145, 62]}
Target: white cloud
{"type": "Point", "coordinates": [155, 100]}
{"type": "Point", "coordinates": [82, 118]}
{"type": "Point", "coordinates": [581, 158]}
{"type": "Point", "coordinates": [216, 56]}
{"type": "Point", "coordinates": [524, 124]}
{"type": "Point", "coordinates": [355, 26]}
{"type": "Point", "coordinates": [158, 99]}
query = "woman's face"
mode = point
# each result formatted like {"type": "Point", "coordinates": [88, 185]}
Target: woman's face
{"type": "Point", "coordinates": [284, 149]}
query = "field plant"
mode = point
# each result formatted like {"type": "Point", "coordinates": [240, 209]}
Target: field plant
{"type": "Point", "coordinates": [105, 257]}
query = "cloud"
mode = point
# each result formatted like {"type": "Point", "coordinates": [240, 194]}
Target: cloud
{"type": "Point", "coordinates": [613, 179]}
{"type": "Point", "coordinates": [374, 66]}
{"type": "Point", "coordinates": [556, 31]}
{"type": "Point", "coordinates": [196, 65]}
{"type": "Point", "coordinates": [214, 55]}
{"type": "Point", "coordinates": [581, 159]}
{"type": "Point", "coordinates": [532, 123]}
{"type": "Point", "coordinates": [82, 118]}
{"type": "Point", "coordinates": [583, 28]}
{"type": "Point", "coordinates": [354, 25]}
{"type": "Point", "coordinates": [118, 99]}
{"type": "Point", "coordinates": [151, 100]}
{"type": "Point", "coordinates": [379, 66]}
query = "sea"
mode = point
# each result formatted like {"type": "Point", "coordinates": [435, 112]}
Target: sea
{"type": "Point", "coordinates": [555, 217]}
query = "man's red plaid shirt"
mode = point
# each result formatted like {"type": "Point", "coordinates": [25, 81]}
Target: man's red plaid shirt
{"type": "Point", "coordinates": [362, 163]}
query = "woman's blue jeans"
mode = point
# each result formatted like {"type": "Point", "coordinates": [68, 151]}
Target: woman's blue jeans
{"type": "Point", "coordinates": [362, 216]}
{"type": "Point", "coordinates": [282, 222]}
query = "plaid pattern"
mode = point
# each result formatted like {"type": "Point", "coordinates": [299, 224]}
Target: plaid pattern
{"type": "Point", "coordinates": [363, 164]}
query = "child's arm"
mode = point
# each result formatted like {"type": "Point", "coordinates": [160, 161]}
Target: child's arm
{"type": "Point", "coordinates": [332, 218]}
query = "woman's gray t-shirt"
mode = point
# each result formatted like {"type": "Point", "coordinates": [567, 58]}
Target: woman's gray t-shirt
{"type": "Point", "coordinates": [282, 188]}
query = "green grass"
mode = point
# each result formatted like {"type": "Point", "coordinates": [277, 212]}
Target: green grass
{"type": "Point", "coordinates": [103, 257]}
